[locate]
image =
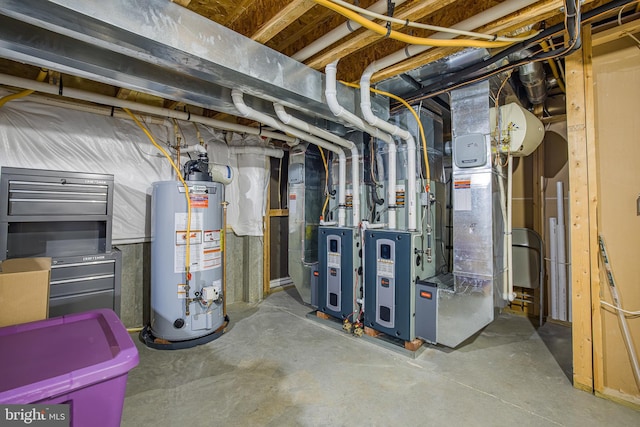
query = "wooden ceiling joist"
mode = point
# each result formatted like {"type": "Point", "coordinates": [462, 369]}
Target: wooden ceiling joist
{"type": "Point", "coordinates": [366, 38]}
{"type": "Point", "coordinates": [282, 20]}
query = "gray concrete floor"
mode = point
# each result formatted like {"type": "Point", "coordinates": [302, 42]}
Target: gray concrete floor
{"type": "Point", "coordinates": [276, 367]}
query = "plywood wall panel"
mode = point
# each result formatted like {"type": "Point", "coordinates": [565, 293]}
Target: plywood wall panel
{"type": "Point", "coordinates": [616, 69]}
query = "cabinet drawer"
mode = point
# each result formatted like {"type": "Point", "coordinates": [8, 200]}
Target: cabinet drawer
{"type": "Point", "coordinates": [81, 285]}
{"type": "Point", "coordinates": [59, 306]}
{"type": "Point", "coordinates": [51, 198]}
{"type": "Point", "coordinates": [66, 272]}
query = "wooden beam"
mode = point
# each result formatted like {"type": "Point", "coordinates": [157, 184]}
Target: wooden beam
{"type": "Point", "coordinates": [172, 105]}
{"type": "Point", "coordinates": [183, 3]}
{"type": "Point", "coordinates": [239, 8]}
{"type": "Point", "coordinates": [54, 77]}
{"type": "Point", "coordinates": [592, 149]}
{"type": "Point", "coordinates": [616, 33]}
{"type": "Point", "coordinates": [278, 212]}
{"type": "Point", "coordinates": [123, 93]}
{"type": "Point", "coordinates": [417, 11]}
{"type": "Point", "coordinates": [280, 21]}
{"type": "Point", "coordinates": [579, 222]}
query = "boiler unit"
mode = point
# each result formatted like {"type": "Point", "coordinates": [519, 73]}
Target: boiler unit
{"type": "Point", "coordinates": [187, 312]}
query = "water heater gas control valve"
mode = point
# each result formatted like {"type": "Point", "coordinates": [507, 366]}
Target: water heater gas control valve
{"type": "Point", "coordinates": [210, 293]}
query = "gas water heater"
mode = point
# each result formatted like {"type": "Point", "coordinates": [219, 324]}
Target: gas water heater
{"type": "Point", "coordinates": [189, 312]}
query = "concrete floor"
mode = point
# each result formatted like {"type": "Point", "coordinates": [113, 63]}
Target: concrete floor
{"type": "Point", "coordinates": [275, 367]}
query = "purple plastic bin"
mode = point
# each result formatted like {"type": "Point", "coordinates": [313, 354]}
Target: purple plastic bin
{"type": "Point", "coordinates": [81, 359]}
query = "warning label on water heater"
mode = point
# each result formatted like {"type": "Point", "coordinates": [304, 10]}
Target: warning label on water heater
{"type": "Point", "coordinates": [204, 245]}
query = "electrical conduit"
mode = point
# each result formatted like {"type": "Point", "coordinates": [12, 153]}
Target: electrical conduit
{"type": "Point", "coordinates": [331, 93]}
{"type": "Point", "coordinates": [355, 158]}
{"type": "Point", "coordinates": [373, 120]}
{"type": "Point", "coordinates": [248, 112]}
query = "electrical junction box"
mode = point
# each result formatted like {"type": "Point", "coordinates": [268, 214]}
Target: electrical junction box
{"type": "Point", "coordinates": [470, 150]}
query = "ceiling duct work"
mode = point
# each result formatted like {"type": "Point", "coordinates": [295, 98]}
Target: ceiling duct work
{"type": "Point", "coordinates": [477, 223]}
{"type": "Point", "coordinates": [160, 48]}
{"type": "Point", "coordinates": [532, 77]}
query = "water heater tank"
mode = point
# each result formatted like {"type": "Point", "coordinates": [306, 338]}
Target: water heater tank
{"type": "Point", "coordinates": [169, 318]}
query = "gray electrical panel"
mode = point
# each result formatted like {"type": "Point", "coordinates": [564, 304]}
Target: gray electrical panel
{"type": "Point", "coordinates": [66, 216]}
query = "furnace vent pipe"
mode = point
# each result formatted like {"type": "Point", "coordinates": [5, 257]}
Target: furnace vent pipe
{"type": "Point", "coordinates": [248, 112]}
{"type": "Point", "coordinates": [355, 158]}
{"type": "Point", "coordinates": [277, 153]}
{"type": "Point", "coordinates": [331, 92]}
{"type": "Point", "coordinates": [365, 105]}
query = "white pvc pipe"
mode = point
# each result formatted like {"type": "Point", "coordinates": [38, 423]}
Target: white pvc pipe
{"type": "Point", "coordinates": [355, 158]}
{"type": "Point", "coordinates": [553, 263]}
{"type": "Point", "coordinates": [331, 93]}
{"type": "Point", "coordinates": [197, 148]}
{"type": "Point", "coordinates": [339, 33]}
{"type": "Point", "coordinates": [373, 120]}
{"type": "Point", "coordinates": [562, 257]}
{"type": "Point", "coordinates": [510, 294]}
{"type": "Point", "coordinates": [568, 266]}
{"type": "Point", "coordinates": [626, 335]}
{"type": "Point", "coordinates": [248, 112]}
{"type": "Point", "coordinates": [70, 92]}
{"type": "Point", "coordinates": [278, 153]}
{"type": "Point", "coordinates": [484, 18]}
{"type": "Point", "coordinates": [504, 201]}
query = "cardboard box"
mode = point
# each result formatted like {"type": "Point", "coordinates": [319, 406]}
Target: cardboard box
{"type": "Point", "coordinates": [24, 290]}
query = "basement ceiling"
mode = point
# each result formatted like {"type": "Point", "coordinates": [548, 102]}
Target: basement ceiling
{"type": "Point", "coordinates": [287, 27]}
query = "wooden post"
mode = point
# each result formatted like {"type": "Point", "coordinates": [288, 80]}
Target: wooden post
{"type": "Point", "coordinates": [583, 225]}
{"type": "Point", "coordinates": [592, 149]}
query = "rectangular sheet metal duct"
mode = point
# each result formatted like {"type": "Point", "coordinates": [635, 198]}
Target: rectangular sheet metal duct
{"type": "Point", "coordinates": [161, 48]}
{"type": "Point", "coordinates": [477, 224]}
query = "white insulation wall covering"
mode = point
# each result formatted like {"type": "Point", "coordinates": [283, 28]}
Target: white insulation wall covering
{"type": "Point", "coordinates": [38, 136]}
{"type": "Point", "coordinates": [247, 201]}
